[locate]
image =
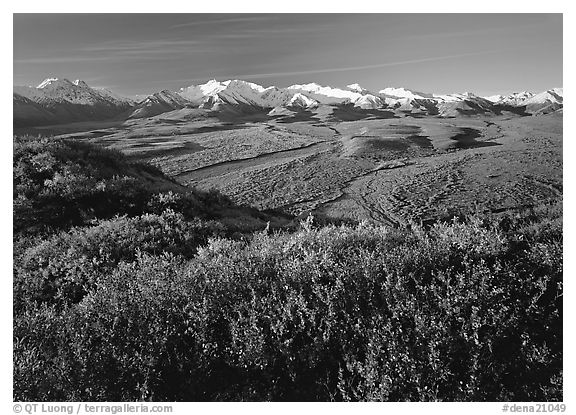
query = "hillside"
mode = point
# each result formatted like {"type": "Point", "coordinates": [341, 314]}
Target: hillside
{"type": "Point", "coordinates": [63, 183]}
{"type": "Point", "coordinates": [129, 287]}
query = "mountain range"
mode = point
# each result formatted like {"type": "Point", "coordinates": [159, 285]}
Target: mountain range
{"type": "Point", "coordinates": [57, 101]}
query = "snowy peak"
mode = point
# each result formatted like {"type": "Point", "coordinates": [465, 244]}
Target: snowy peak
{"type": "Point", "coordinates": [326, 94]}
{"type": "Point", "coordinates": [243, 93]}
{"type": "Point", "coordinates": [56, 101]}
{"type": "Point", "coordinates": [166, 97]}
{"type": "Point", "coordinates": [56, 83]}
{"type": "Point", "coordinates": [302, 101]}
{"type": "Point", "coordinates": [558, 91]}
{"type": "Point", "coordinates": [356, 88]}
{"type": "Point", "coordinates": [325, 90]}
{"type": "Point", "coordinates": [158, 103]}
{"type": "Point", "coordinates": [449, 97]}
{"type": "Point", "coordinates": [516, 98]}
{"type": "Point", "coordinates": [551, 96]}
{"type": "Point", "coordinates": [237, 92]}
{"type": "Point", "coordinates": [80, 83]}
{"type": "Point", "coordinates": [231, 91]}
{"type": "Point", "coordinates": [404, 93]}
{"type": "Point", "coordinates": [54, 91]}
{"type": "Point", "coordinates": [243, 85]}
{"type": "Point", "coordinates": [369, 101]}
{"type": "Point", "coordinates": [46, 82]}
{"type": "Point", "coordinates": [211, 87]}
{"type": "Point", "coordinates": [80, 101]}
{"type": "Point", "coordinates": [545, 102]}
{"type": "Point", "coordinates": [494, 98]}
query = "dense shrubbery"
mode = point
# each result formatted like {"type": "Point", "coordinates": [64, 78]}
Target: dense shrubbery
{"type": "Point", "coordinates": [63, 183]}
{"type": "Point", "coordinates": [64, 267]}
{"type": "Point", "coordinates": [161, 305]}
{"type": "Point", "coordinates": [459, 312]}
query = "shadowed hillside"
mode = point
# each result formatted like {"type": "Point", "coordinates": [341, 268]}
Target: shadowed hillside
{"type": "Point", "coordinates": [63, 183]}
{"type": "Point", "coordinates": [128, 286]}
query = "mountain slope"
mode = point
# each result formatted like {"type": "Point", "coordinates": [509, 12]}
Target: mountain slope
{"type": "Point", "coordinates": [158, 103]}
{"type": "Point", "coordinates": [59, 101]}
{"type": "Point", "coordinates": [545, 102]}
{"type": "Point", "coordinates": [404, 93]}
{"type": "Point", "coordinates": [56, 101]}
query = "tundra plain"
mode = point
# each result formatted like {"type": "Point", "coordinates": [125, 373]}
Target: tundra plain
{"type": "Point", "coordinates": [376, 166]}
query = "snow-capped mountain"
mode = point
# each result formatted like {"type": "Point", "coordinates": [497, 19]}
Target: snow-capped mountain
{"type": "Point", "coordinates": [550, 96]}
{"type": "Point", "coordinates": [234, 92]}
{"type": "Point", "coordinates": [404, 93]}
{"type": "Point", "coordinates": [516, 98]}
{"type": "Point", "coordinates": [494, 98]}
{"type": "Point", "coordinates": [325, 94]}
{"type": "Point", "coordinates": [357, 88]}
{"type": "Point", "coordinates": [356, 95]}
{"type": "Point", "coordinates": [60, 100]}
{"type": "Point", "coordinates": [369, 101]}
{"type": "Point", "coordinates": [54, 90]}
{"type": "Point", "coordinates": [158, 103]}
{"type": "Point", "coordinates": [545, 102]}
{"type": "Point", "coordinates": [542, 103]}
{"type": "Point", "coordinates": [197, 94]}
{"type": "Point", "coordinates": [301, 101]}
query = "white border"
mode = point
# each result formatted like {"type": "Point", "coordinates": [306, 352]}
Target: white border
{"type": "Point", "coordinates": [298, 6]}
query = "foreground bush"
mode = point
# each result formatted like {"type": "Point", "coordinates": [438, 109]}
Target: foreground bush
{"type": "Point", "coordinates": [60, 183]}
{"type": "Point", "coordinates": [461, 311]}
{"type": "Point", "coordinates": [64, 267]}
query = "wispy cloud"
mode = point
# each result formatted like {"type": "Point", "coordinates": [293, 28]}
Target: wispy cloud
{"type": "Point", "coordinates": [121, 50]}
{"type": "Point", "coordinates": [326, 70]}
{"type": "Point", "coordinates": [470, 33]}
{"type": "Point", "coordinates": [145, 45]}
{"type": "Point", "coordinates": [269, 31]}
{"type": "Point", "coordinates": [229, 20]}
{"type": "Point", "coordinates": [61, 59]}
{"type": "Point", "coordinates": [350, 68]}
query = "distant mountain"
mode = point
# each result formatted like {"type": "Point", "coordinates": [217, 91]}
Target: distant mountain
{"type": "Point", "coordinates": [357, 88]}
{"type": "Point", "coordinates": [516, 98]}
{"type": "Point", "coordinates": [60, 101]}
{"type": "Point", "coordinates": [355, 95]}
{"type": "Point", "coordinates": [469, 104]}
{"type": "Point", "coordinates": [494, 98]}
{"type": "Point", "coordinates": [545, 102]}
{"type": "Point", "coordinates": [27, 112]}
{"type": "Point", "coordinates": [404, 93]}
{"type": "Point", "coordinates": [233, 92]}
{"type": "Point", "coordinates": [535, 104]}
{"type": "Point", "coordinates": [158, 103]}
{"type": "Point", "coordinates": [326, 94]}
{"type": "Point", "coordinates": [56, 101]}
{"type": "Point", "coordinates": [299, 100]}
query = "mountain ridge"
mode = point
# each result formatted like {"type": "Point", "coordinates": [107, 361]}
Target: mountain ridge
{"type": "Point", "coordinates": [58, 100]}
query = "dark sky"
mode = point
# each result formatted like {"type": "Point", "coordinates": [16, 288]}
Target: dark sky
{"type": "Point", "coordinates": [441, 53]}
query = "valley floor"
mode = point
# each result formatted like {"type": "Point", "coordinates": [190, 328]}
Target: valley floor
{"type": "Point", "coordinates": [382, 170]}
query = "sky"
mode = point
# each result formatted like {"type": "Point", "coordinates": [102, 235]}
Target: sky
{"type": "Point", "coordinates": [439, 53]}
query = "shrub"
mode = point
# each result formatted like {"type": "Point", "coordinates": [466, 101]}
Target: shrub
{"type": "Point", "coordinates": [59, 183]}
{"type": "Point", "coordinates": [64, 267]}
{"type": "Point", "coordinates": [461, 311]}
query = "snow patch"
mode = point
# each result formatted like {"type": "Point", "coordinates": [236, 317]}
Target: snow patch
{"type": "Point", "coordinates": [46, 82]}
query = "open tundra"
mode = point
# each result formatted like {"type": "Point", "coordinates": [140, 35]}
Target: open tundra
{"type": "Point", "coordinates": [389, 156]}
